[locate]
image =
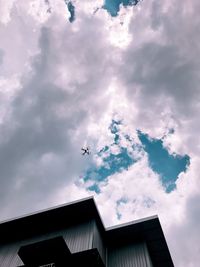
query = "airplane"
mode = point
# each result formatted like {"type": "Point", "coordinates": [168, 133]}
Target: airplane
{"type": "Point", "coordinates": [85, 150]}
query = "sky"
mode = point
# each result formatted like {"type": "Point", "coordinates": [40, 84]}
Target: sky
{"type": "Point", "coordinates": [120, 77]}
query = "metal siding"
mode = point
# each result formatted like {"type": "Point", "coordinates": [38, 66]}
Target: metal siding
{"type": "Point", "coordinates": [98, 242]}
{"type": "Point", "coordinates": [134, 255]}
{"type": "Point", "coordinates": [78, 238]}
{"type": "Point", "coordinates": [9, 257]}
{"type": "Point", "coordinates": [148, 258]}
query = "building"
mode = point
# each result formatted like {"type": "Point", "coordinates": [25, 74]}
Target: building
{"type": "Point", "coordinates": [73, 235]}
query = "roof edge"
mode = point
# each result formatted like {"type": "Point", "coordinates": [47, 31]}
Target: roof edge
{"type": "Point", "coordinates": [132, 222]}
{"type": "Point", "coordinates": [47, 209]}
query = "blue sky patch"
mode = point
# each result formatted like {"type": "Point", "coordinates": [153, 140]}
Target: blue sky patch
{"type": "Point", "coordinates": [95, 188]}
{"type": "Point", "coordinates": [115, 131]}
{"type": "Point", "coordinates": [160, 161]}
{"type": "Point", "coordinates": [111, 163]}
{"type": "Point", "coordinates": [71, 9]}
{"type": "Point", "coordinates": [166, 165]}
{"type": "Point", "coordinates": [148, 202]}
{"type": "Point", "coordinates": [113, 6]}
{"type": "Point", "coordinates": [120, 201]}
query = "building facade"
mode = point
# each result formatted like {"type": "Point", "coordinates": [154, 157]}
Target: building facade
{"type": "Point", "coordinates": [73, 235]}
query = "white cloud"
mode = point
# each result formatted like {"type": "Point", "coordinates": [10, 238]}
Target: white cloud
{"type": "Point", "coordinates": [6, 7]}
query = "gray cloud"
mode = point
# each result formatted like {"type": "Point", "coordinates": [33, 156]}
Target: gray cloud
{"type": "Point", "coordinates": [38, 131]}
{"type": "Point", "coordinates": [166, 66]}
{"type": "Point", "coordinates": [184, 236]}
{"type": "Point", "coordinates": [1, 56]}
{"type": "Point", "coordinates": [162, 73]}
{"type": "Point", "coordinates": [40, 153]}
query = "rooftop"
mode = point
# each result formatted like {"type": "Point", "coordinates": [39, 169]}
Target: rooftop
{"type": "Point", "coordinates": [147, 229]}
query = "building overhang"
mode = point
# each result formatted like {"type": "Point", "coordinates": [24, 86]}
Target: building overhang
{"type": "Point", "coordinates": [148, 230]}
{"type": "Point", "coordinates": [55, 252]}
{"type": "Point", "coordinates": [47, 251]}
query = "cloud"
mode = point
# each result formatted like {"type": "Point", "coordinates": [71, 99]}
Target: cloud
{"type": "Point", "coordinates": [34, 152]}
{"type": "Point", "coordinates": [50, 106]}
{"type": "Point", "coordinates": [187, 234]}
{"type": "Point", "coordinates": [6, 8]}
{"type": "Point", "coordinates": [61, 85]}
{"type": "Point", "coordinates": [162, 67]}
{"type": "Point", "coordinates": [1, 56]}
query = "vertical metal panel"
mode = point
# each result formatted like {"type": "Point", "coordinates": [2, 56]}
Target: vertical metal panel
{"type": "Point", "coordinates": [78, 238]}
{"type": "Point", "coordinates": [98, 242]}
{"type": "Point", "coordinates": [134, 255]}
{"type": "Point", "coordinates": [148, 258]}
{"type": "Point", "coordinates": [9, 257]}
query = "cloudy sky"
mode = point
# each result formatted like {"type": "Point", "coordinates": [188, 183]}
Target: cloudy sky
{"type": "Point", "coordinates": [121, 77]}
